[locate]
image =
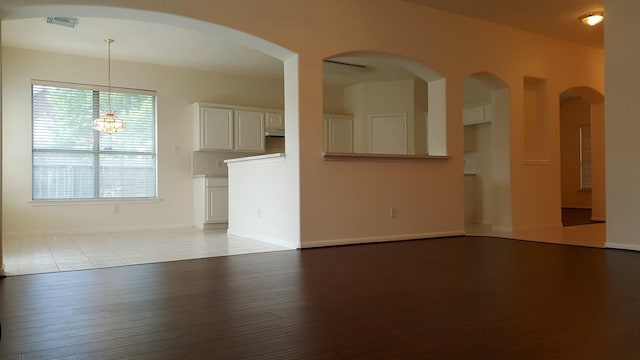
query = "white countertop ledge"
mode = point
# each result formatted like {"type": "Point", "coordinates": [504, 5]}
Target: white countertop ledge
{"type": "Point", "coordinates": [331, 156]}
{"type": "Point", "coordinates": [256, 159]}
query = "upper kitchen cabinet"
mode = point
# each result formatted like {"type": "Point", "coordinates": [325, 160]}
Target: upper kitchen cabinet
{"type": "Point", "coordinates": [213, 128]}
{"type": "Point", "coordinates": [274, 120]}
{"type": "Point", "coordinates": [249, 130]}
{"type": "Point", "coordinates": [228, 128]}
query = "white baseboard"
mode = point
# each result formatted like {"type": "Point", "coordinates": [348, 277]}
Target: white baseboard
{"type": "Point", "coordinates": [503, 229]}
{"type": "Point", "coordinates": [377, 239]}
{"type": "Point", "coordinates": [211, 226]}
{"type": "Point", "coordinates": [266, 239]}
{"type": "Point", "coordinates": [96, 230]}
{"type": "Point", "coordinates": [541, 227]}
{"type": "Point", "coordinates": [620, 246]}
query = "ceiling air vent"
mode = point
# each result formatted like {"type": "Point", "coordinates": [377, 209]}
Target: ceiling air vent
{"type": "Point", "coordinates": [63, 21]}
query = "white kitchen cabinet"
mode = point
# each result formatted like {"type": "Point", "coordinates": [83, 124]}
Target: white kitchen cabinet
{"type": "Point", "coordinates": [213, 128]}
{"type": "Point", "coordinates": [477, 114]}
{"type": "Point", "coordinates": [274, 120]}
{"type": "Point", "coordinates": [338, 133]}
{"type": "Point", "coordinates": [249, 130]}
{"type": "Point", "coordinates": [210, 202]}
{"type": "Point", "coordinates": [230, 128]}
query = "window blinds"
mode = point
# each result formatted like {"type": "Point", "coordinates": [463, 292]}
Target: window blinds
{"type": "Point", "coordinates": [73, 161]}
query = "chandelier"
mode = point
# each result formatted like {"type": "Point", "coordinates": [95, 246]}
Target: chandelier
{"type": "Point", "coordinates": [109, 124]}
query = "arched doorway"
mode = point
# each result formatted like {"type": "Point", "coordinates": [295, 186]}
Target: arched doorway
{"type": "Point", "coordinates": [176, 94]}
{"type": "Point", "coordinates": [487, 170]}
{"type": "Point", "coordinates": [582, 156]}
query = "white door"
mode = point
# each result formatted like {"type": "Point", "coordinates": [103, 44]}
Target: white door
{"type": "Point", "coordinates": [388, 134]}
{"type": "Point", "coordinates": [217, 128]}
{"type": "Point", "coordinates": [249, 130]}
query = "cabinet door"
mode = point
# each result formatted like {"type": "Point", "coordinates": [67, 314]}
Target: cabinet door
{"type": "Point", "coordinates": [217, 207]}
{"type": "Point", "coordinates": [388, 134]}
{"type": "Point", "coordinates": [338, 134]}
{"type": "Point", "coordinates": [274, 121]}
{"type": "Point", "coordinates": [249, 131]}
{"type": "Point", "coordinates": [216, 128]}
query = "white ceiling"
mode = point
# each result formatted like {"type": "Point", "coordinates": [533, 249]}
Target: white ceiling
{"type": "Point", "coordinates": [174, 46]}
{"type": "Point", "coordinates": [140, 42]}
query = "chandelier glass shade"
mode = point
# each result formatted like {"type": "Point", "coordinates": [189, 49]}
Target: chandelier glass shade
{"type": "Point", "coordinates": [109, 124]}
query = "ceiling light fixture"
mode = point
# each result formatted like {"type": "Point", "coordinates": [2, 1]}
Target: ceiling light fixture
{"type": "Point", "coordinates": [592, 18]}
{"type": "Point", "coordinates": [109, 124]}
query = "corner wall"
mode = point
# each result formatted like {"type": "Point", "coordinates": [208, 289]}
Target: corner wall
{"type": "Point", "coordinates": [622, 47]}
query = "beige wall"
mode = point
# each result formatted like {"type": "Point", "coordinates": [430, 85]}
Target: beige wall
{"type": "Point", "coordinates": [574, 113]}
{"type": "Point", "coordinates": [176, 89]}
{"type": "Point", "coordinates": [428, 195]}
{"type": "Point", "coordinates": [622, 126]}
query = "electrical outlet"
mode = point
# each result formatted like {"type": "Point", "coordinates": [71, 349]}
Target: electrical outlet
{"type": "Point", "coordinates": [258, 213]}
{"type": "Point", "coordinates": [116, 209]}
{"type": "Point", "coordinates": [393, 213]}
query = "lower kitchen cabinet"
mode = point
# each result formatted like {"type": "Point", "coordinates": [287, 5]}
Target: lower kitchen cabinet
{"type": "Point", "coordinates": [210, 202]}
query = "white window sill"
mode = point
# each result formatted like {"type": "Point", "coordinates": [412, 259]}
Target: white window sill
{"type": "Point", "coordinates": [114, 201]}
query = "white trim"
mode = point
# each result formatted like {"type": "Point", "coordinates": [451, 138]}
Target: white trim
{"type": "Point", "coordinates": [103, 201]}
{"type": "Point", "coordinates": [536, 162]}
{"type": "Point", "coordinates": [504, 229]}
{"type": "Point", "coordinates": [620, 246]}
{"type": "Point", "coordinates": [541, 227]}
{"type": "Point", "coordinates": [258, 159]}
{"type": "Point", "coordinates": [97, 230]}
{"type": "Point", "coordinates": [377, 239]}
{"type": "Point", "coordinates": [266, 239]}
{"type": "Point", "coordinates": [332, 156]}
{"type": "Point", "coordinates": [114, 89]}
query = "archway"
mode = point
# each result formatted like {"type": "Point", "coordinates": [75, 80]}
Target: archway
{"type": "Point", "coordinates": [582, 156]}
{"type": "Point", "coordinates": [487, 170]}
{"type": "Point", "coordinates": [173, 128]}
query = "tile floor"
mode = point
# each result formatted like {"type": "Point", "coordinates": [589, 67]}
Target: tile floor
{"type": "Point", "coordinates": [53, 253]}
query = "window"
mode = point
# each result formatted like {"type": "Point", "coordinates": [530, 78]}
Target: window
{"type": "Point", "coordinates": [585, 157]}
{"type": "Point", "coordinates": [73, 161]}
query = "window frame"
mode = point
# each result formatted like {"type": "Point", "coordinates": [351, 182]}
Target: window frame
{"type": "Point", "coordinates": [96, 152]}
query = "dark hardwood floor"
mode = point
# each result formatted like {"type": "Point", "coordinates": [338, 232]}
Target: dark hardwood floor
{"type": "Point", "coordinates": [450, 298]}
{"type": "Point", "coordinates": [574, 216]}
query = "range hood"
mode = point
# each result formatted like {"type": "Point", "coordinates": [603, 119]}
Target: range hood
{"type": "Point", "coordinates": [274, 132]}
